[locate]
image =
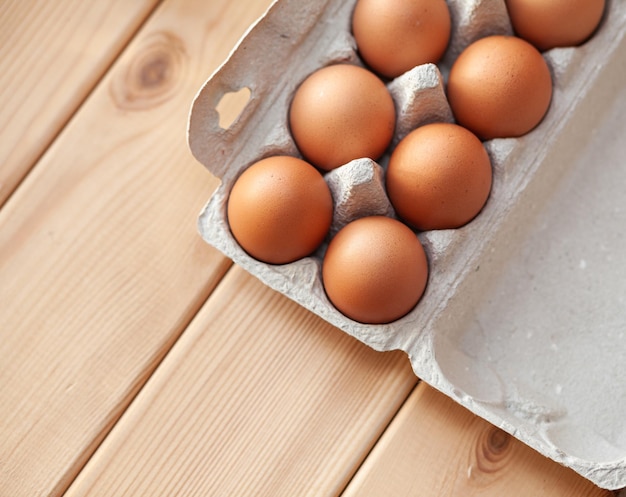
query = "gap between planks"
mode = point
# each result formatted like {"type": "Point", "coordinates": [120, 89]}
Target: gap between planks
{"type": "Point", "coordinates": [34, 113]}
{"type": "Point", "coordinates": [101, 267]}
{"type": "Point", "coordinates": [434, 447]}
{"type": "Point", "coordinates": [258, 397]}
{"type": "Point", "coordinates": [32, 184]}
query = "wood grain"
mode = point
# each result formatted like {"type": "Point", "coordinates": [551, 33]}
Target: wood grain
{"type": "Point", "coordinates": [101, 266]}
{"type": "Point", "coordinates": [51, 56]}
{"type": "Point", "coordinates": [102, 271]}
{"type": "Point", "coordinates": [258, 397]}
{"type": "Point", "coordinates": [435, 447]}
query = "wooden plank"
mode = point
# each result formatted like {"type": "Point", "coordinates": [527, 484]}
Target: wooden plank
{"type": "Point", "coordinates": [101, 266]}
{"type": "Point", "coordinates": [258, 397]}
{"type": "Point", "coordinates": [435, 447]}
{"type": "Point", "coordinates": [51, 56]}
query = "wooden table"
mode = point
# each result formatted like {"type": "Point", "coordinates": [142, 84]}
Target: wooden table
{"type": "Point", "coordinates": [135, 360]}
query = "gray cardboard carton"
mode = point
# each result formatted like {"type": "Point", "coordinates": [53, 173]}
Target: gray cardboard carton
{"type": "Point", "coordinates": [523, 320]}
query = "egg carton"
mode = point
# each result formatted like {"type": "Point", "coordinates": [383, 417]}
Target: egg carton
{"type": "Point", "coordinates": [497, 328]}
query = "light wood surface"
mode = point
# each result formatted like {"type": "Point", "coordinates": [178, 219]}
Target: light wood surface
{"type": "Point", "coordinates": [476, 458]}
{"type": "Point", "coordinates": [251, 402]}
{"type": "Point", "coordinates": [101, 266]}
{"type": "Point", "coordinates": [134, 360]}
{"type": "Point", "coordinates": [52, 54]}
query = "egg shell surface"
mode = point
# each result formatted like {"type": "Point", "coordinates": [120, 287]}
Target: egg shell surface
{"type": "Point", "coordinates": [555, 23]}
{"type": "Point", "coordinates": [340, 113]}
{"type": "Point", "coordinates": [375, 270]}
{"type": "Point", "coordinates": [499, 87]}
{"type": "Point", "coordinates": [439, 177]}
{"type": "Point", "coordinates": [393, 36]}
{"type": "Point", "coordinates": [280, 209]}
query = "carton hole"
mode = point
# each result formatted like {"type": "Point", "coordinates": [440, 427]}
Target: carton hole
{"type": "Point", "coordinates": [231, 105]}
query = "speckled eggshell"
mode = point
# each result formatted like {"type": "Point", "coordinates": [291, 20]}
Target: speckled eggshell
{"type": "Point", "coordinates": [393, 36]}
{"type": "Point", "coordinates": [340, 113]}
{"type": "Point", "coordinates": [280, 209]}
{"type": "Point", "coordinates": [375, 270]}
{"type": "Point", "coordinates": [499, 87]}
{"type": "Point", "coordinates": [439, 177]}
{"type": "Point", "coordinates": [555, 23]}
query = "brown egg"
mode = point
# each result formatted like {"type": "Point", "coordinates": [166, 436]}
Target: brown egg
{"type": "Point", "coordinates": [394, 36]}
{"type": "Point", "coordinates": [555, 23]}
{"type": "Point", "coordinates": [499, 86]}
{"type": "Point", "coordinates": [340, 113]}
{"type": "Point", "coordinates": [375, 270]}
{"type": "Point", "coordinates": [439, 177]}
{"type": "Point", "coordinates": [280, 209]}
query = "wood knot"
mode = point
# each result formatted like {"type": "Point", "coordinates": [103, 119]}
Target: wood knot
{"type": "Point", "coordinates": [492, 450]}
{"type": "Point", "coordinates": [152, 74]}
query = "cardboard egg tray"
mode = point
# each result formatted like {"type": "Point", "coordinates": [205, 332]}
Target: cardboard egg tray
{"type": "Point", "coordinates": [524, 317]}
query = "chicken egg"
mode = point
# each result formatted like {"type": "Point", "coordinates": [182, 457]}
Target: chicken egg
{"type": "Point", "coordinates": [439, 177]}
{"type": "Point", "coordinates": [394, 36]}
{"type": "Point", "coordinates": [555, 23]}
{"type": "Point", "coordinates": [499, 87]}
{"type": "Point", "coordinates": [280, 209]}
{"type": "Point", "coordinates": [340, 113]}
{"type": "Point", "coordinates": [375, 270]}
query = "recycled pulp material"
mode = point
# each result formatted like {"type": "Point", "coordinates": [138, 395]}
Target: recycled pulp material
{"type": "Point", "coordinates": [523, 319]}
